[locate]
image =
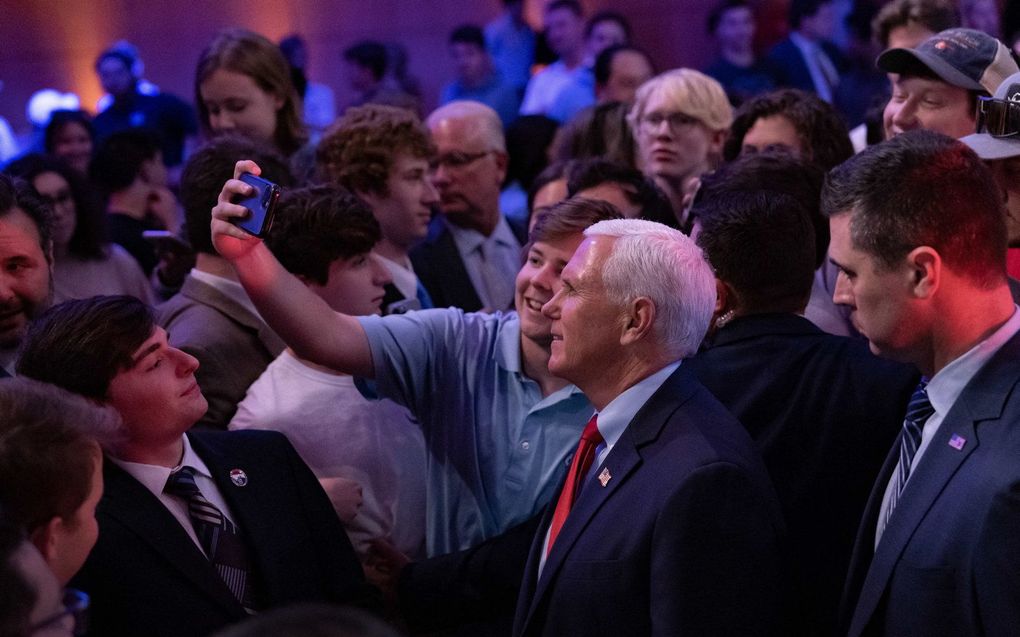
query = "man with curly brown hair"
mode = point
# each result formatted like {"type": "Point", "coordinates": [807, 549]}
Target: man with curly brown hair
{"type": "Point", "coordinates": [381, 153]}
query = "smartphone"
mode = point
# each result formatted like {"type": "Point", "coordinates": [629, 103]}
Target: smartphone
{"type": "Point", "coordinates": [261, 206]}
{"type": "Point", "coordinates": [165, 241]}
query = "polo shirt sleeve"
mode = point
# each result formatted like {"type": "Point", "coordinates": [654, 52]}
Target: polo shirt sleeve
{"type": "Point", "coordinates": [412, 354]}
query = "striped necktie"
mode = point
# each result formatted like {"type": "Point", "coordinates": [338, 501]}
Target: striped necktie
{"type": "Point", "coordinates": [220, 538]}
{"type": "Point", "coordinates": [919, 410]}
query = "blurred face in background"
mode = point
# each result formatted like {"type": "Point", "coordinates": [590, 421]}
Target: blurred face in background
{"type": "Point", "coordinates": [236, 104]}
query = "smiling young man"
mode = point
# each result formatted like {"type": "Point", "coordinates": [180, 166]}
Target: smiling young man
{"type": "Point", "coordinates": [919, 235]}
{"type": "Point", "coordinates": [196, 530]}
{"type": "Point", "coordinates": [381, 153]}
{"type": "Point", "coordinates": [498, 426]}
{"type": "Point", "coordinates": [935, 85]}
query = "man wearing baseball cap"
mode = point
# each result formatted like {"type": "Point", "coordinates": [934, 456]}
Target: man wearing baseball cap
{"type": "Point", "coordinates": [935, 85]}
{"type": "Point", "coordinates": [997, 141]}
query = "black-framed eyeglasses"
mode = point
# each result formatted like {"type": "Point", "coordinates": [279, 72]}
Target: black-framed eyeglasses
{"type": "Point", "coordinates": [76, 606]}
{"type": "Point", "coordinates": [998, 118]}
{"type": "Point", "coordinates": [457, 160]}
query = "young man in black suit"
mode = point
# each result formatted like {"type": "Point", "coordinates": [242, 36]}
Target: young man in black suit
{"type": "Point", "coordinates": [196, 529]}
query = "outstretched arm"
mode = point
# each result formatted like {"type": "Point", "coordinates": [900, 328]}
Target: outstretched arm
{"type": "Point", "coordinates": [310, 327]}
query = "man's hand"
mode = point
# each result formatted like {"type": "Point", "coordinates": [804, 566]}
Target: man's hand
{"type": "Point", "coordinates": [229, 240]}
{"type": "Point", "coordinates": [345, 495]}
{"type": "Point", "coordinates": [383, 566]}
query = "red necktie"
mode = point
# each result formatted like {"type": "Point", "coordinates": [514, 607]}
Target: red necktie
{"type": "Point", "coordinates": [583, 457]}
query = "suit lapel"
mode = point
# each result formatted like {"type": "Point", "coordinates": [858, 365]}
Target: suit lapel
{"type": "Point", "coordinates": [621, 463]}
{"type": "Point", "coordinates": [137, 509]}
{"type": "Point", "coordinates": [982, 400]}
{"type": "Point", "coordinates": [247, 507]}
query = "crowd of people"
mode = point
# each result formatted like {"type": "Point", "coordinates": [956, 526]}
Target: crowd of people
{"type": "Point", "coordinates": [591, 348]}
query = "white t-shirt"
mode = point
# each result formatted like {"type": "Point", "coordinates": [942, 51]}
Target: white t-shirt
{"type": "Point", "coordinates": [340, 434]}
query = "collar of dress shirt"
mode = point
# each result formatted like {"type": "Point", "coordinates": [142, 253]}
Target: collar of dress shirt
{"type": "Point", "coordinates": [615, 417]}
{"type": "Point", "coordinates": [947, 385]}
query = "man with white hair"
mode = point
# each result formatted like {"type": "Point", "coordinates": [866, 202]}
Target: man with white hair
{"type": "Point", "coordinates": [667, 523]}
{"type": "Point", "coordinates": [471, 254]}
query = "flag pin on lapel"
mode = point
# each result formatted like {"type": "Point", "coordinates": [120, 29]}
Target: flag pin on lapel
{"type": "Point", "coordinates": [238, 477]}
{"type": "Point", "coordinates": [604, 477]}
{"type": "Point", "coordinates": [957, 442]}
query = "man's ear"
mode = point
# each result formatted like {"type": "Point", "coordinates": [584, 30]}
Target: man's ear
{"type": "Point", "coordinates": [924, 267]}
{"type": "Point", "coordinates": [639, 318]}
{"type": "Point", "coordinates": [44, 538]}
{"type": "Point", "coordinates": [502, 162]}
{"type": "Point", "coordinates": [722, 297]}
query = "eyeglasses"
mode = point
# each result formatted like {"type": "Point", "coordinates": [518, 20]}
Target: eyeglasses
{"type": "Point", "coordinates": [998, 118]}
{"type": "Point", "coordinates": [456, 160]}
{"type": "Point", "coordinates": [76, 606]}
{"type": "Point", "coordinates": [677, 121]}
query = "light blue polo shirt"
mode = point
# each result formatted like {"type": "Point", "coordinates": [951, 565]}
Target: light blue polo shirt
{"type": "Point", "coordinates": [497, 449]}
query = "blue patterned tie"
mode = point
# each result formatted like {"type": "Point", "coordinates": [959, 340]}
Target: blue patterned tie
{"type": "Point", "coordinates": [919, 410]}
{"type": "Point", "coordinates": [220, 538]}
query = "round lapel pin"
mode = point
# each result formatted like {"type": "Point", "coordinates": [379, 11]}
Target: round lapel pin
{"type": "Point", "coordinates": [238, 477]}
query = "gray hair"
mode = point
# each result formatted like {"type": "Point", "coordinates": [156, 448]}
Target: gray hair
{"type": "Point", "coordinates": [664, 265]}
{"type": "Point", "coordinates": [487, 123]}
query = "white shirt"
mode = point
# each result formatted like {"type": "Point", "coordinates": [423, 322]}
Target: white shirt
{"type": "Point", "coordinates": [943, 390]}
{"type": "Point", "coordinates": [341, 434]}
{"type": "Point", "coordinates": [612, 421]}
{"type": "Point", "coordinates": [404, 278]}
{"type": "Point", "coordinates": [154, 477]}
{"type": "Point", "coordinates": [545, 87]}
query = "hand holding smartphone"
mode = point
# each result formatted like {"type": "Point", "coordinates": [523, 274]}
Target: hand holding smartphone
{"type": "Point", "coordinates": [261, 206]}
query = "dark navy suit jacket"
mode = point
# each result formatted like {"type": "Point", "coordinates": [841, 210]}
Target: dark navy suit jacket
{"type": "Point", "coordinates": [146, 576]}
{"type": "Point", "coordinates": [949, 560]}
{"type": "Point", "coordinates": [681, 540]}
{"type": "Point", "coordinates": [441, 270]}
{"type": "Point", "coordinates": [790, 70]}
{"type": "Point", "coordinates": [823, 411]}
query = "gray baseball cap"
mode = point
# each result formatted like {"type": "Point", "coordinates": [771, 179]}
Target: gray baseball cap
{"type": "Point", "coordinates": [998, 135]}
{"type": "Point", "coordinates": [966, 58]}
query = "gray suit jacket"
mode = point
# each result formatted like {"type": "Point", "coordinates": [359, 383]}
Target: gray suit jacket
{"type": "Point", "coordinates": [232, 345]}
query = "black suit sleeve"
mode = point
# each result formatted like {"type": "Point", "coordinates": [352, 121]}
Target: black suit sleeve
{"type": "Point", "coordinates": [474, 585]}
{"type": "Point", "coordinates": [997, 566]}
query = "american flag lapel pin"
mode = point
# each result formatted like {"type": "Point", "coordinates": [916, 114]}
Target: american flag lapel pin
{"type": "Point", "coordinates": [605, 477]}
{"type": "Point", "coordinates": [957, 442]}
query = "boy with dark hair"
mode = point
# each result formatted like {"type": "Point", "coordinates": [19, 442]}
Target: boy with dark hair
{"type": "Point", "coordinates": [211, 318]}
{"type": "Point", "coordinates": [197, 529]}
{"type": "Point", "coordinates": [129, 169]}
{"type": "Point", "coordinates": [325, 236]}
